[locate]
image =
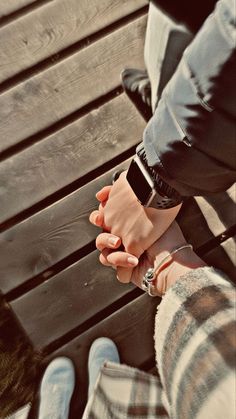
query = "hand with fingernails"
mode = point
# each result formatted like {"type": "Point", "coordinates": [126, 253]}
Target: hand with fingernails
{"type": "Point", "coordinates": [121, 214]}
{"type": "Point", "coordinates": [130, 268]}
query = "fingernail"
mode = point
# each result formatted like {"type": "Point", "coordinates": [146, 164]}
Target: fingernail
{"type": "Point", "coordinates": [97, 220]}
{"type": "Point", "coordinates": [132, 261]}
{"type": "Point", "coordinates": [113, 241]}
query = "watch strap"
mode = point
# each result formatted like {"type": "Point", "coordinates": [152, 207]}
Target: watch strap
{"type": "Point", "coordinates": [167, 196]}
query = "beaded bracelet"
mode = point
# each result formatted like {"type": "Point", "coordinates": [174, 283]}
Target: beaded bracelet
{"type": "Point", "coordinates": [149, 277]}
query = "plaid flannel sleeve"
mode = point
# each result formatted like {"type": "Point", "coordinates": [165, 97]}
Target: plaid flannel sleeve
{"type": "Point", "coordinates": [196, 346]}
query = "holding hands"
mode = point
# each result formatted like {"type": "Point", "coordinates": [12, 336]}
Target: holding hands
{"type": "Point", "coordinates": [136, 238]}
{"type": "Point", "coordinates": [121, 214]}
{"type": "Point", "coordinates": [132, 269]}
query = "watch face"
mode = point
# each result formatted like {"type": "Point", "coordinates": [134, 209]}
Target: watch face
{"type": "Point", "coordinates": [140, 182]}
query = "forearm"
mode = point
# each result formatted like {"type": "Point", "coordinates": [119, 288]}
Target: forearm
{"type": "Point", "coordinates": [191, 138]}
{"type": "Point", "coordinates": [181, 264]}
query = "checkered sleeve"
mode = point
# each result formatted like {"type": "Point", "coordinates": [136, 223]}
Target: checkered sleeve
{"type": "Point", "coordinates": [124, 392]}
{"type": "Point", "coordinates": [195, 335]}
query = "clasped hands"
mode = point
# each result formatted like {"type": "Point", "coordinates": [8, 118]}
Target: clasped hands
{"type": "Point", "coordinates": [133, 235]}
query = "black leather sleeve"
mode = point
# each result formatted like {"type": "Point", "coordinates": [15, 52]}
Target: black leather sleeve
{"type": "Point", "coordinates": [191, 139]}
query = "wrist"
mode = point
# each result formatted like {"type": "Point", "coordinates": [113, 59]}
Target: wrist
{"type": "Point", "coordinates": [181, 263]}
{"type": "Point", "coordinates": [149, 187]}
{"type": "Point", "coordinates": [168, 267]}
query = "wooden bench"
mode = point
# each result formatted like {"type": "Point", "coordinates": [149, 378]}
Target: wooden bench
{"type": "Point", "coordinates": [66, 125]}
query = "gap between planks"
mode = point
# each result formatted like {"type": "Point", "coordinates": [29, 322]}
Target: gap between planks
{"type": "Point", "coordinates": [67, 219]}
{"type": "Point", "coordinates": [82, 291]}
{"type": "Point", "coordinates": [11, 10]}
{"type": "Point", "coordinates": [31, 57]}
{"type": "Point", "coordinates": [65, 222]}
{"type": "Point", "coordinates": [73, 83]}
{"type": "Point", "coordinates": [85, 306]}
{"type": "Point", "coordinates": [109, 132]}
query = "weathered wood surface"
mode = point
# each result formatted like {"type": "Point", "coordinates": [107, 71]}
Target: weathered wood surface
{"type": "Point", "coordinates": [10, 6]}
{"type": "Point", "coordinates": [56, 112]}
{"type": "Point", "coordinates": [68, 154]}
{"type": "Point", "coordinates": [66, 125]}
{"type": "Point", "coordinates": [223, 257]}
{"type": "Point", "coordinates": [68, 300]}
{"type": "Point", "coordinates": [120, 327]}
{"type": "Point", "coordinates": [30, 314]}
{"type": "Point", "coordinates": [219, 210]}
{"type": "Point", "coordinates": [54, 27]}
{"type": "Point", "coordinates": [217, 215]}
{"type": "Point", "coordinates": [51, 235]}
{"type": "Point", "coordinates": [68, 86]}
{"type": "Point", "coordinates": [63, 228]}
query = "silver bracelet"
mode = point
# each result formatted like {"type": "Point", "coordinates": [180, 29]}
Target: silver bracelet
{"type": "Point", "coordinates": [150, 275]}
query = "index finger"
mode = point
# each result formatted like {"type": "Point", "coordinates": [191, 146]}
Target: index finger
{"type": "Point", "coordinates": [103, 194]}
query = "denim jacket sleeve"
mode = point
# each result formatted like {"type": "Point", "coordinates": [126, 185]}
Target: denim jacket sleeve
{"type": "Point", "coordinates": [190, 140]}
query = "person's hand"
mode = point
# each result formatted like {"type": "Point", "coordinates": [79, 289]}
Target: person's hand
{"type": "Point", "coordinates": [121, 214]}
{"type": "Point", "coordinates": [129, 268]}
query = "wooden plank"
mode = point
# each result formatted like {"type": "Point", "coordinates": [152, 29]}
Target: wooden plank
{"type": "Point", "coordinates": [131, 328]}
{"type": "Point", "coordinates": [208, 217]}
{"type": "Point", "coordinates": [68, 155]}
{"type": "Point", "coordinates": [10, 6]}
{"type": "Point", "coordinates": [68, 300]}
{"type": "Point", "coordinates": [63, 228]}
{"type": "Point", "coordinates": [71, 297]}
{"type": "Point", "coordinates": [223, 257]}
{"type": "Point", "coordinates": [64, 88]}
{"type": "Point", "coordinates": [127, 328]}
{"type": "Point", "coordinates": [221, 212]}
{"type": "Point", "coordinates": [54, 27]}
{"type": "Point", "coordinates": [36, 244]}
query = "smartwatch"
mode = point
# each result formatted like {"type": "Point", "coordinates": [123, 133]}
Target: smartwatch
{"type": "Point", "coordinates": [151, 190]}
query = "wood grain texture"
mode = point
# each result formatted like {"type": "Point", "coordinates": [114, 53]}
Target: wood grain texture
{"type": "Point", "coordinates": [67, 300]}
{"type": "Point", "coordinates": [58, 307]}
{"type": "Point", "coordinates": [63, 228]}
{"type": "Point", "coordinates": [68, 155]}
{"type": "Point", "coordinates": [131, 328]}
{"type": "Point", "coordinates": [10, 6]}
{"type": "Point", "coordinates": [223, 257]}
{"type": "Point", "coordinates": [221, 207]}
{"type": "Point", "coordinates": [204, 218]}
{"type": "Point", "coordinates": [49, 236]}
{"type": "Point", "coordinates": [54, 27]}
{"type": "Point", "coordinates": [71, 84]}
{"type": "Point", "coordinates": [78, 293]}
